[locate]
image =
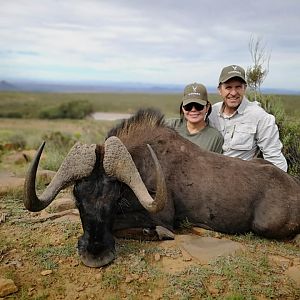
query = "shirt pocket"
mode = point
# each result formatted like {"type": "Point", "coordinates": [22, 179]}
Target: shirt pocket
{"type": "Point", "coordinates": [243, 136]}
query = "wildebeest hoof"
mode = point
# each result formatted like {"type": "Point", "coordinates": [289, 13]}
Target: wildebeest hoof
{"type": "Point", "coordinates": [296, 240]}
{"type": "Point", "coordinates": [164, 233]}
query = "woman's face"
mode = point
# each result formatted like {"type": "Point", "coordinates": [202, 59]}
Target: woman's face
{"type": "Point", "coordinates": [195, 112]}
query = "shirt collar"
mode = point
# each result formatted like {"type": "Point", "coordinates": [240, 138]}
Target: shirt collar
{"type": "Point", "coordinates": [243, 105]}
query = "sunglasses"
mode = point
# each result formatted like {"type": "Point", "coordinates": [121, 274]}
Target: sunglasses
{"type": "Point", "coordinates": [189, 106]}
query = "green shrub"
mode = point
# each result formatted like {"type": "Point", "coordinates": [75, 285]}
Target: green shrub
{"type": "Point", "coordinates": [18, 141]}
{"type": "Point", "coordinates": [12, 114]}
{"type": "Point", "coordinates": [291, 150]}
{"type": "Point", "coordinates": [58, 145]}
{"type": "Point", "coordinates": [11, 141]}
{"type": "Point", "coordinates": [289, 130]}
{"type": "Point", "coordinates": [59, 140]}
{"type": "Point", "coordinates": [78, 109]}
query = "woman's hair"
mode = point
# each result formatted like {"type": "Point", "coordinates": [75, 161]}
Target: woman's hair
{"type": "Point", "coordinates": [182, 115]}
{"type": "Point", "coordinates": [181, 111]}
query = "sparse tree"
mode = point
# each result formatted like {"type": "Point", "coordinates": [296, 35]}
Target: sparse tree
{"type": "Point", "coordinates": [257, 73]}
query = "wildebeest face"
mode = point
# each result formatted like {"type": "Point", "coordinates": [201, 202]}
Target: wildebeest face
{"type": "Point", "coordinates": [97, 173]}
{"type": "Point", "coordinates": [96, 198]}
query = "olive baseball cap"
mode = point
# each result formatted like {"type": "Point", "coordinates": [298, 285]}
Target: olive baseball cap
{"type": "Point", "coordinates": [195, 92]}
{"type": "Point", "coordinates": [232, 71]}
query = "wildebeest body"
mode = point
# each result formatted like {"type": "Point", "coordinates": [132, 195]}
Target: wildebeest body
{"type": "Point", "coordinates": [204, 188]}
{"type": "Point", "coordinates": [215, 191]}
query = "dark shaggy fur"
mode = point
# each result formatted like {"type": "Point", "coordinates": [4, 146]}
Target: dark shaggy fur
{"type": "Point", "coordinates": [144, 119]}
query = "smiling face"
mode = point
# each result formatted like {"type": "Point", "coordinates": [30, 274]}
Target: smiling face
{"type": "Point", "coordinates": [232, 93]}
{"type": "Point", "coordinates": [195, 113]}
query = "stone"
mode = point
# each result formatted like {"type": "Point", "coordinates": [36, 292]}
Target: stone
{"type": "Point", "coordinates": [157, 257]}
{"type": "Point", "coordinates": [164, 233]}
{"type": "Point", "coordinates": [46, 272]}
{"type": "Point", "coordinates": [17, 158]}
{"type": "Point", "coordinates": [7, 287]}
{"type": "Point", "coordinates": [61, 204]}
{"type": "Point", "coordinates": [9, 182]}
{"type": "Point", "coordinates": [205, 249]}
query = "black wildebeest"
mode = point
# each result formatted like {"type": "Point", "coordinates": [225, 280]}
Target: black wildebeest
{"type": "Point", "coordinates": [146, 175]}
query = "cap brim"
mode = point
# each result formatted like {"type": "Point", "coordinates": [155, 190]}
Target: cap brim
{"type": "Point", "coordinates": [232, 76]}
{"type": "Point", "coordinates": [188, 100]}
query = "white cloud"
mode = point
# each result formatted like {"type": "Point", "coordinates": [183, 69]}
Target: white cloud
{"type": "Point", "coordinates": [159, 41]}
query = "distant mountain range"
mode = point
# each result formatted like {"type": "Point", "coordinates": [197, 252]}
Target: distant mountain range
{"type": "Point", "coordinates": [109, 87]}
{"type": "Point", "coordinates": [6, 86]}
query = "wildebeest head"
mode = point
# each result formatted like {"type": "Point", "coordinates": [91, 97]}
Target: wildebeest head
{"type": "Point", "coordinates": [97, 173]}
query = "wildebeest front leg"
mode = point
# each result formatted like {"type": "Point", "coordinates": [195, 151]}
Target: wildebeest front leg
{"type": "Point", "coordinates": [296, 240]}
{"type": "Point", "coordinates": [164, 221]}
{"type": "Point", "coordinates": [135, 225]}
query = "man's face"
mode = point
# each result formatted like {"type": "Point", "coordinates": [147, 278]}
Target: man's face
{"type": "Point", "coordinates": [232, 93]}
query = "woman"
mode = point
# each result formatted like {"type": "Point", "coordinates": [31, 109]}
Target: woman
{"type": "Point", "coordinates": [193, 122]}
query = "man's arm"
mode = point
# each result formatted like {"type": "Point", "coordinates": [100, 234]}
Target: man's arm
{"type": "Point", "coordinates": [269, 143]}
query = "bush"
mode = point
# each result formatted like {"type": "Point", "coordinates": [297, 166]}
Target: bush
{"type": "Point", "coordinates": [289, 131]}
{"type": "Point", "coordinates": [58, 145]}
{"type": "Point", "coordinates": [11, 115]}
{"type": "Point", "coordinates": [18, 141]}
{"type": "Point", "coordinates": [71, 110]}
{"type": "Point", "coordinates": [59, 140]}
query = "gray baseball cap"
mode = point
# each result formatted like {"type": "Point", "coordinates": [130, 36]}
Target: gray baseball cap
{"type": "Point", "coordinates": [195, 92]}
{"type": "Point", "coordinates": [232, 71]}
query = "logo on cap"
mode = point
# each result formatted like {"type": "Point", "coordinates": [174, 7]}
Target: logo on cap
{"type": "Point", "coordinates": [230, 72]}
{"type": "Point", "coordinates": [195, 92]}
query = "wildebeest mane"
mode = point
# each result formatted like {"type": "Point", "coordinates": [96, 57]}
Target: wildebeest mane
{"type": "Point", "coordinates": [145, 122]}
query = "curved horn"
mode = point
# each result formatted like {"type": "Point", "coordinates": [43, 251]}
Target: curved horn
{"type": "Point", "coordinates": [79, 163]}
{"type": "Point", "coordinates": [118, 162]}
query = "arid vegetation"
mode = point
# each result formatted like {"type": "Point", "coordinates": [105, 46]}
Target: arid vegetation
{"type": "Point", "coordinates": [39, 253]}
{"type": "Point", "coordinates": [31, 105]}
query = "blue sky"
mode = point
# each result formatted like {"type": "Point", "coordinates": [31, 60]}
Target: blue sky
{"type": "Point", "coordinates": [158, 41]}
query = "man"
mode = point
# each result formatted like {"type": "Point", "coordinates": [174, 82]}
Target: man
{"type": "Point", "coordinates": [245, 126]}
